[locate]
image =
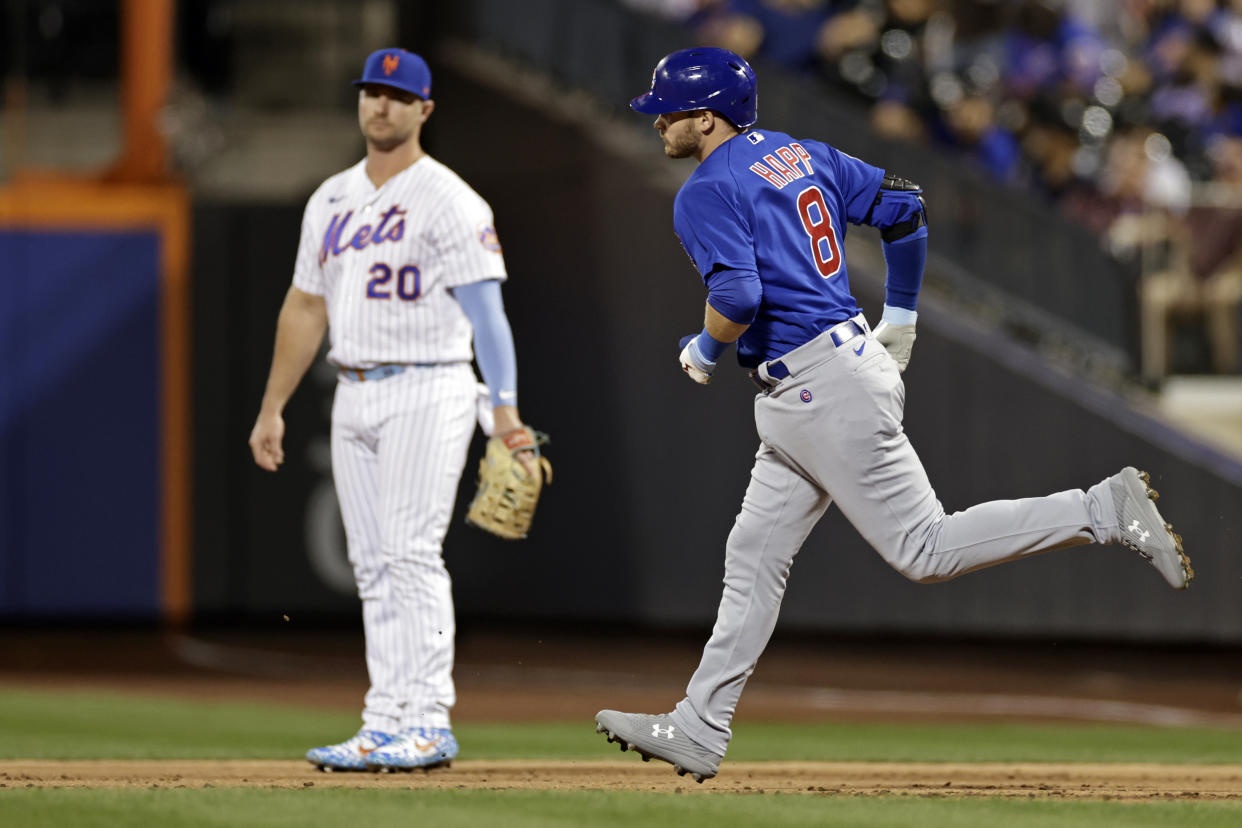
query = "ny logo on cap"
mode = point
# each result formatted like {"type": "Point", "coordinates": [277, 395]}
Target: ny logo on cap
{"type": "Point", "coordinates": [390, 63]}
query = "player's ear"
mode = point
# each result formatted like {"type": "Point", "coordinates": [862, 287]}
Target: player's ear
{"type": "Point", "coordinates": [428, 106]}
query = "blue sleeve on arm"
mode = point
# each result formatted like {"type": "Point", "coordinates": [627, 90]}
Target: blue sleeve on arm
{"type": "Point", "coordinates": [493, 338]}
{"type": "Point", "coordinates": [898, 210]}
{"type": "Point", "coordinates": [713, 230]}
{"type": "Point", "coordinates": [859, 182]}
{"type": "Point", "coordinates": [735, 294]}
{"type": "Point", "coordinates": [710, 347]}
{"type": "Point", "coordinates": [905, 259]}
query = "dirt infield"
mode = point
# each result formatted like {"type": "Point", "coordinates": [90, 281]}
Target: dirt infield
{"type": "Point", "coordinates": [1110, 782]}
{"type": "Point", "coordinates": [529, 678]}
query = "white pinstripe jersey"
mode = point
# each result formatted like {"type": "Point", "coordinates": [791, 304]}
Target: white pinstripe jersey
{"type": "Point", "coordinates": [384, 259]}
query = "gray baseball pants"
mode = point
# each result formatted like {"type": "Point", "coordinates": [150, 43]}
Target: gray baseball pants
{"type": "Point", "coordinates": [831, 431]}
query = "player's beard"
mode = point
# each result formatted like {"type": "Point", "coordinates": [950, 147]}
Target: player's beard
{"type": "Point", "coordinates": [681, 144]}
{"type": "Point", "coordinates": [388, 141]}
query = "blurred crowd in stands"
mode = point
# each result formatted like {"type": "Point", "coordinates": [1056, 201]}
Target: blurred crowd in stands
{"type": "Point", "coordinates": [1124, 114]}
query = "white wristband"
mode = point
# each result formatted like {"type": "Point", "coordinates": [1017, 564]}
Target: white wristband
{"type": "Point", "coordinates": [899, 316]}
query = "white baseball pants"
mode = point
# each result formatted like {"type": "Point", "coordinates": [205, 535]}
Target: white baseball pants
{"type": "Point", "coordinates": [398, 448]}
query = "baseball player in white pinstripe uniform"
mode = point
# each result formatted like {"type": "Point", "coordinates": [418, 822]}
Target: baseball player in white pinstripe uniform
{"type": "Point", "coordinates": [399, 262]}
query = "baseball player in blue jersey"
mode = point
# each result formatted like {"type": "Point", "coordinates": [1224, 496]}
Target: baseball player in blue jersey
{"type": "Point", "coordinates": [764, 217]}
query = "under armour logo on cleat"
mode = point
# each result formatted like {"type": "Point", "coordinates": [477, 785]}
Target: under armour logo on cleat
{"type": "Point", "coordinates": [1137, 529]}
{"type": "Point", "coordinates": [658, 731]}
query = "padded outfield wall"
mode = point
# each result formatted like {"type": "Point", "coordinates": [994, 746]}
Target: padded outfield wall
{"type": "Point", "coordinates": [94, 453]}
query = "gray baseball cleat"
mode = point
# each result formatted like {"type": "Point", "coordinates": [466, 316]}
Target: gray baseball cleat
{"type": "Point", "coordinates": [657, 736]}
{"type": "Point", "coordinates": [1145, 531]}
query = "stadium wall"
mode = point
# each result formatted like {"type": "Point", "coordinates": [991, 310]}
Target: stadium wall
{"type": "Point", "coordinates": [650, 469]}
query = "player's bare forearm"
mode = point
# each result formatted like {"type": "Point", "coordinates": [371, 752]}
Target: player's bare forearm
{"type": "Point", "coordinates": [300, 329]}
{"type": "Point", "coordinates": [506, 419]}
{"type": "Point", "coordinates": [721, 328]}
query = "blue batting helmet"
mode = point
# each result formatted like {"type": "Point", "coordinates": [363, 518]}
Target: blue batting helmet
{"type": "Point", "coordinates": [703, 78]}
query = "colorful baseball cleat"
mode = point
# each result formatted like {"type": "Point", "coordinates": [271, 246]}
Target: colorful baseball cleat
{"type": "Point", "coordinates": [415, 747]}
{"type": "Point", "coordinates": [349, 755]}
{"type": "Point", "coordinates": [1145, 531]}
{"type": "Point", "coordinates": [657, 736]}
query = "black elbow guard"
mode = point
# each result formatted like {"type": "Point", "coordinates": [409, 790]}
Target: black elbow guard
{"type": "Point", "coordinates": [917, 219]}
{"type": "Point", "coordinates": [900, 206]}
{"type": "Point", "coordinates": [894, 182]}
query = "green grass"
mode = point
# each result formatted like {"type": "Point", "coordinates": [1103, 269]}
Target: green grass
{"type": "Point", "coordinates": [1000, 742]}
{"type": "Point", "coordinates": [81, 725]}
{"type": "Point", "coordinates": [68, 725]}
{"type": "Point", "coordinates": [242, 808]}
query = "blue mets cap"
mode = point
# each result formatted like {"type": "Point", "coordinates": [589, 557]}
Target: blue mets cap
{"type": "Point", "coordinates": [399, 69]}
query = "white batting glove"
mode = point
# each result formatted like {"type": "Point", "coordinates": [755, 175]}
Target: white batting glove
{"type": "Point", "coordinates": [896, 333]}
{"type": "Point", "coordinates": [696, 366]}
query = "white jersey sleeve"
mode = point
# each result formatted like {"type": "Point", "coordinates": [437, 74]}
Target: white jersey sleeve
{"type": "Point", "coordinates": [307, 270]}
{"type": "Point", "coordinates": [466, 239]}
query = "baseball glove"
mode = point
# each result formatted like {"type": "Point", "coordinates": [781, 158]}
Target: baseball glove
{"type": "Point", "coordinates": [505, 502]}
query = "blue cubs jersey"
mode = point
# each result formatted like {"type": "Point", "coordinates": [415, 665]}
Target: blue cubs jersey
{"type": "Point", "coordinates": [778, 206]}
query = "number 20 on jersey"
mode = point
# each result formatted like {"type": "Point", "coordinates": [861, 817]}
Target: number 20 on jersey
{"type": "Point", "coordinates": [408, 286]}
